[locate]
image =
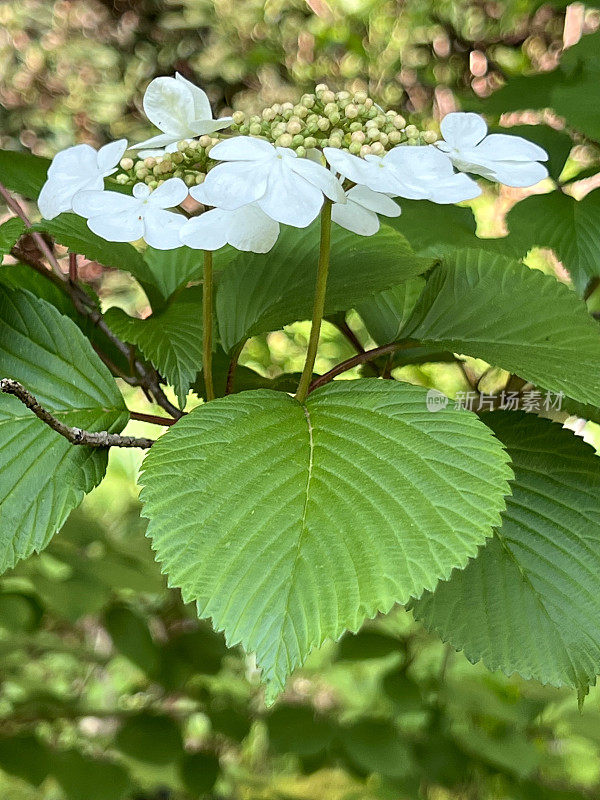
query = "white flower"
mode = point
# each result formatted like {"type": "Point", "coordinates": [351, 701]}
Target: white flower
{"type": "Point", "coordinates": [287, 188]}
{"type": "Point", "coordinates": [120, 218]}
{"type": "Point", "coordinates": [246, 228]}
{"type": "Point", "coordinates": [74, 169]}
{"type": "Point", "coordinates": [359, 213]}
{"type": "Point", "coordinates": [411, 171]}
{"type": "Point", "coordinates": [179, 109]}
{"type": "Point", "coordinates": [508, 159]}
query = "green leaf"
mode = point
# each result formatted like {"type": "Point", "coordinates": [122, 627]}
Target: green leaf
{"type": "Point", "coordinates": [434, 230]}
{"type": "Point", "coordinates": [42, 476]}
{"type": "Point", "coordinates": [367, 644]}
{"type": "Point", "coordinates": [199, 772]}
{"type": "Point", "coordinates": [296, 729]}
{"type": "Point", "coordinates": [151, 738]}
{"type": "Point", "coordinates": [241, 494]}
{"type": "Point", "coordinates": [171, 339]}
{"type": "Point", "coordinates": [385, 314]}
{"type": "Point", "coordinates": [258, 294]}
{"type": "Point", "coordinates": [72, 232]}
{"type": "Point", "coordinates": [23, 172]}
{"type": "Point", "coordinates": [374, 745]}
{"type": "Point", "coordinates": [131, 637]}
{"type": "Point", "coordinates": [169, 270]}
{"type": "Point", "coordinates": [520, 319]}
{"type": "Point", "coordinates": [570, 227]}
{"type": "Point", "coordinates": [26, 757]}
{"type": "Point", "coordinates": [10, 233]}
{"type": "Point", "coordinates": [85, 778]}
{"type": "Point", "coordinates": [529, 602]}
{"type": "Point", "coordinates": [520, 93]}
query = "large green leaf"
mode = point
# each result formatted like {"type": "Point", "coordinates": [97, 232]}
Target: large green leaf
{"type": "Point", "coordinates": [42, 475]}
{"type": "Point", "coordinates": [169, 270]}
{"type": "Point", "coordinates": [529, 602]}
{"type": "Point", "coordinates": [570, 227]}
{"type": "Point", "coordinates": [258, 293]}
{"type": "Point", "coordinates": [290, 523]}
{"type": "Point", "coordinates": [520, 319]}
{"type": "Point", "coordinates": [170, 339]}
{"type": "Point", "coordinates": [10, 233]}
{"type": "Point", "coordinates": [385, 314]}
{"type": "Point", "coordinates": [434, 230]}
{"type": "Point", "coordinates": [72, 231]}
{"type": "Point", "coordinates": [23, 172]}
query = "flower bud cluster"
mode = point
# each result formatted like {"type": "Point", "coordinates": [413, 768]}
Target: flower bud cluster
{"type": "Point", "coordinates": [343, 120]}
{"type": "Point", "coordinates": [190, 162]}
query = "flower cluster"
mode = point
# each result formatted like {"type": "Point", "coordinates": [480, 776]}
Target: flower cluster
{"type": "Point", "coordinates": [278, 168]}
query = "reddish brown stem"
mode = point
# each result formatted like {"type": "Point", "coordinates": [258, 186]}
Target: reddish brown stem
{"type": "Point", "coordinates": [360, 358]}
{"type": "Point", "coordinates": [154, 419]}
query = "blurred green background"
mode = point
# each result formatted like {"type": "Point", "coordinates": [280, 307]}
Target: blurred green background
{"type": "Point", "coordinates": [110, 689]}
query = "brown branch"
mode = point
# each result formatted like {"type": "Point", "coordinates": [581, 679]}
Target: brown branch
{"type": "Point", "coordinates": [153, 419]}
{"type": "Point", "coordinates": [73, 267]}
{"type": "Point", "coordinates": [37, 237]}
{"type": "Point", "coordinates": [360, 358]}
{"type": "Point", "coordinates": [235, 357]}
{"type": "Point", "coordinates": [73, 435]}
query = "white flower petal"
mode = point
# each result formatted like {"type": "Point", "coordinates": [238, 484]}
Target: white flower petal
{"type": "Point", "coordinates": [169, 105]}
{"type": "Point", "coordinates": [160, 141]}
{"type": "Point", "coordinates": [462, 129]}
{"type": "Point", "coordinates": [319, 176]}
{"type": "Point", "coordinates": [110, 155]}
{"type": "Point", "coordinates": [233, 185]}
{"type": "Point", "coordinates": [204, 126]}
{"type": "Point", "coordinates": [251, 230]}
{"type": "Point", "coordinates": [516, 174]}
{"type": "Point", "coordinates": [242, 148]}
{"type": "Point", "coordinates": [201, 103]}
{"type": "Point", "coordinates": [57, 195]}
{"type": "Point", "coordinates": [350, 166]}
{"type": "Point", "coordinates": [206, 232]}
{"type": "Point", "coordinates": [169, 194]}
{"type": "Point", "coordinates": [373, 201]}
{"type": "Point", "coordinates": [162, 228]}
{"type": "Point", "coordinates": [74, 161]}
{"type": "Point", "coordinates": [454, 190]}
{"type": "Point", "coordinates": [93, 203]}
{"type": "Point", "coordinates": [141, 191]}
{"type": "Point", "coordinates": [504, 147]}
{"type": "Point", "coordinates": [354, 217]}
{"type": "Point", "coordinates": [290, 199]}
{"type": "Point", "coordinates": [118, 227]}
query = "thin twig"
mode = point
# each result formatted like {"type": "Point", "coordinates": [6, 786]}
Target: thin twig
{"type": "Point", "coordinates": [73, 267]}
{"type": "Point", "coordinates": [153, 419]}
{"type": "Point", "coordinates": [15, 206]}
{"type": "Point", "coordinates": [235, 357]}
{"type": "Point", "coordinates": [73, 435]}
{"type": "Point", "coordinates": [360, 358]}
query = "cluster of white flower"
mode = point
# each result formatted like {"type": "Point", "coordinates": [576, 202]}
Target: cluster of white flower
{"type": "Point", "coordinates": [254, 184]}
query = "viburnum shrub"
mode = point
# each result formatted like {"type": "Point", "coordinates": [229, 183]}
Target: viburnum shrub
{"type": "Point", "coordinates": [291, 509]}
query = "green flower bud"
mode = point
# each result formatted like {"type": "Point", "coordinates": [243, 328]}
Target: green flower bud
{"type": "Point", "coordinates": [343, 95]}
{"type": "Point", "coordinates": [287, 106]}
{"type": "Point", "coordinates": [297, 140]}
{"type": "Point", "coordinates": [373, 134]}
{"type": "Point", "coordinates": [321, 87]}
{"type": "Point", "coordinates": [177, 157]}
{"type": "Point", "coordinates": [308, 100]}
{"type": "Point", "coordinates": [324, 124]}
{"type": "Point", "coordinates": [255, 129]}
{"type": "Point", "coordinates": [412, 131]}
{"type": "Point", "coordinates": [372, 111]}
{"type": "Point", "coordinates": [377, 149]}
{"type": "Point", "coordinates": [369, 103]}
{"type": "Point", "coordinates": [200, 178]}
{"type": "Point", "coordinates": [294, 127]}
{"type": "Point", "coordinates": [141, 173]}
{"type": "Point", "coordinates": [394, 137]}
{"type": "Point", "coordinates": [335, 119]}
{"type": "Point", "coordinates": [268, 114]}
{"type": "Point", "coordinates": [365, 150]}
{"type": "Point", "coordinates": [335, 141]}
{"type": "Point", "coordinates": [384, 139]}
{"type": "Point", "coordinates": [301, 111]}
{"type": "Point", "coordinates": [354, 148]}
{"type": "Point", "coordinates": [189, 179]}
{"type": "Point", "coordinates": [301, 151]}
{"type": "Point", "coordinates": [360, 97]}
{"type": "Point", "coordinates": [351, 111]}
{"type": "Point", "coordinates": [310, 142]}
{"type": "Point", "coordinates": [238, 117]}
{"type": "Point", "coordinates": [122, 179]}
{"type": "Point", "coordinates": [326, 97]}
{"type": "Point", "coordinates": [150, 162]}
{"type": "Point", "coordinates": [355, 126]}
{"type": "Point", "coordinates": [413, 140]}
{"type": "Point", "coordinates": [205, 141]}
{"type": "Point", "coordinates": [126, 163]}
{"type": "Point", "coordinates": [429, 137]}
{"type": "Point", "coordinates": [359, 137]}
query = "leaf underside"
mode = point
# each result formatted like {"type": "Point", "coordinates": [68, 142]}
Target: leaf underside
{"type": "Point", "coordinates": [291, 523]}
{"type": "Point", "coordinates": [529, 602]}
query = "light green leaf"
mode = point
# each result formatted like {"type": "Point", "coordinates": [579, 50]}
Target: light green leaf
{"type": "Point", "coordinates": [170, 339]}
{"type": "Point", "coordinates": [10, 233]}
{"type": "Point", "coordinates": [529, 602]}
{"type": "Point", "coordinates": [42, 476]}
{"type": "Point", "coordinates": [570, 227]}
{"type": "Point", "coordinates": [258, 293]}
{"type": "Point", "coordinates": [520, 319]}
{"type": "Point", "coordinates": [23, 172]}
{"type": "Point", "coordinates": [290, 523]}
